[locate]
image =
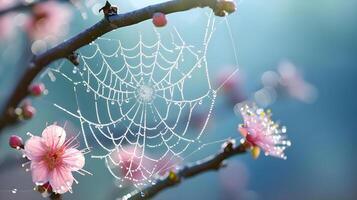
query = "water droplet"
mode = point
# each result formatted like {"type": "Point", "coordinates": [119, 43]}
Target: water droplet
{"type": "Point", "coordinates": [39, 183]}
{"type": "Point", "coordinates": [283, 129]}
{"type": "Point", "coordinates": [74, 71]}
{"type": "Point", "coordinates": [142, 194]}
{"type": "Point", "coordinates": [14, 191]}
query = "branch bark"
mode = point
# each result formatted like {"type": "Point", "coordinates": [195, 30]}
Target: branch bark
{"type": "Point", "coordinates": [211, 163]}
{"type": "Point", "coordinates": [38, 63]}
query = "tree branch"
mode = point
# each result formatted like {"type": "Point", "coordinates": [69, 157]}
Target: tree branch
{"type": "Point", "coordinates": [63, 50]}
{"type": "Point", "coordinates": [173, 178]}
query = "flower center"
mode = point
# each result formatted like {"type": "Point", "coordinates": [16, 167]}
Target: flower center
{"type": "Point", "coordinates": [53, 159]}
{"type": "Point", "coordinates": [252, 140]}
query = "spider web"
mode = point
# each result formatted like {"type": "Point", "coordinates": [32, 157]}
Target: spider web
{"type": "Point", "coordinates": [136, 104]}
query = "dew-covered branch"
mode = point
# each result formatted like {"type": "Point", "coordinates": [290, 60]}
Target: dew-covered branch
{"type": "Point", "coordinates": [214, 162]}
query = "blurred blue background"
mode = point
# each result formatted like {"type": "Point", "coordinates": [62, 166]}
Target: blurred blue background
{"type": "Point", "coordinates": [319, 37]}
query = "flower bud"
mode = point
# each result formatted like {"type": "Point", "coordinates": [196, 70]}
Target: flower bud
{"type": "Point", "coordinates": [28, 111]}
{"type": "Point", "coordinates": [159, 19]}
{"type": "Point", "coordinates": [37, 89]}
{"type": "Point", "coordinates": [173, 176]}
{"type": "Point", "coordinates": [255, 152]}
{"type": "Point", "coordinates": [16, 142]}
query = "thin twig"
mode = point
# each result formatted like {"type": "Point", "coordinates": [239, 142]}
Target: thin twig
{"type": "Point", "coordinates": [214, 162]}
{"type": "Point", "coordinates": [55, 196]}
{"type": "Point", "coordinates": [38, 63]}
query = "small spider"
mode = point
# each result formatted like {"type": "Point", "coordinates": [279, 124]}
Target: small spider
{"type": "Point", "coordinates": [109, 10]}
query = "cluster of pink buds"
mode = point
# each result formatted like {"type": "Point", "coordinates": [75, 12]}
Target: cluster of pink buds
{"type": "Point", "coordinates": [26, 111]}
{"type": "Point", "coordinates": [232, 85]}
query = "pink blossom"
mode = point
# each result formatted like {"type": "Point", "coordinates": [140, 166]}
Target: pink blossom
{"type": "Point", "coordinates": [133, 165]}
{"type": "Point", "coordinates": [227, 80]}
{"type": "Point", "coordinates": [137, 166]}
{"type": "Point", "coordinates": [49, 21]}
{"type": "Point", "coordinates": [53, 159]}
{"type": "Point", "coordinates": [199, 120]}
{"type": "Point", "coordinates": [295, 84]}
{"type": "Point", "coordinates": [260, 131]}
{"type": "Point", "coordinates": [166, 164]}
{"type": "Point", "coordinates": [287, 80]}
{"type": "Point", "coordinates": [6, 28]}
{"type": "Point", "coordinates": [234, 181]}
{"type": "Point", "coordinates": [232, 84]}
{"type": "Point", "coordinates": [6, 22]}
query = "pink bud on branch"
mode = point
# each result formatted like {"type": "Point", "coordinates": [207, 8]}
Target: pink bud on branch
{"type": "Point", "coordinates": [37, 89]}
{"type": "Point", "coordinates": [159, 19]}
{"type": "Point", "coordinates": [16, 142]}
{"type": "Point", "coordinates": [28, 111]}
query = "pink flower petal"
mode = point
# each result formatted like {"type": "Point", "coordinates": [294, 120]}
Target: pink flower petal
{"type": "Point", "coordinates": [39, 172]}
{"type": "Point", "coordinates": [61, 180]}
{"type": "Point", "coordinates": [35, 148]}
{"type": "Point", "coordinates": [54, 136]}
{"type": "Point", "coordinates": [243, 131]}
{"type": "Point", "coordinates": [74, 159]}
